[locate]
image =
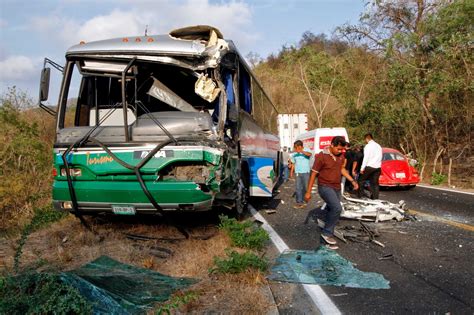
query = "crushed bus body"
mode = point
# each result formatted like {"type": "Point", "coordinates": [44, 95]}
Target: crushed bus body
{"type": "Point", "coordinates": [149, 124]}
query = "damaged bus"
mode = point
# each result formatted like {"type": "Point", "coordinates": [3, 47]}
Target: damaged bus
{"type": "Point", "coordinates": [150, 124]}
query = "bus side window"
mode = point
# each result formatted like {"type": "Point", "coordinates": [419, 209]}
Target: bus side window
{"type": "Point", "coordinates": [245, 92]}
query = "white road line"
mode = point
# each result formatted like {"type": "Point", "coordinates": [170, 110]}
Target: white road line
{"type": "Point", "coordinates": [446, 189]}
{"type": "Point", "coordinates": [322, 301]}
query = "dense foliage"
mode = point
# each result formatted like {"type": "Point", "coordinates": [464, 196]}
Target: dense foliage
{"type": "Point", "coordinates": [40, 293]}
{"type": "Point", "coordinates": [403, 73]}
{"type": "Point", "coordinates": [25, 159]}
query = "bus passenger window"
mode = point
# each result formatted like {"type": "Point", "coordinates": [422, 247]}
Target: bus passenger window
{"type": "Point", "coordinates": [245, 93]}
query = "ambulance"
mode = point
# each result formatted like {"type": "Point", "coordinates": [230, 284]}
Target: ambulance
{"type": "Point", "coordinates": [317, 139]}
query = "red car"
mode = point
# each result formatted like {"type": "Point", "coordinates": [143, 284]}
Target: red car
{"type": "Point", "coordinates": [396, 170]}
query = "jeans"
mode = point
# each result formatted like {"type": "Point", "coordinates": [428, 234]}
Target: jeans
{"type": "Point", "coordinates": [332, 198]}
{"type": "Point", "coordinates": [286, 173]}
{"type": "Point", "coordinates": [301, 185]}
{"type": "Point", "coordinates": [371, 174]}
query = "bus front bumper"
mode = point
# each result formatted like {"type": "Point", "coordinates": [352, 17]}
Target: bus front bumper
{"type": "Point", "coordinates": [107, 196]}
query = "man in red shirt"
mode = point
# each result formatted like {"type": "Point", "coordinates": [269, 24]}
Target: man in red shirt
{"type": "Point", "coordinates": [328, 167]}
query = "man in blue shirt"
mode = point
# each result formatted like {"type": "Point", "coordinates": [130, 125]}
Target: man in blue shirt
{"type": "Point", "coordinates": [300, 166]}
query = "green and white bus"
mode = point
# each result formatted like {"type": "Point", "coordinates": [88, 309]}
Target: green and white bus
{"type": "Point", "coordinates": [149, 124]}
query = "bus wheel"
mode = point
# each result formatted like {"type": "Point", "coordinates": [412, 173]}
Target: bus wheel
{"type": "Point", "coordinates": [241, 202]}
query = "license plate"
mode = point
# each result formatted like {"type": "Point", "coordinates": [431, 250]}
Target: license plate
{"type": "Point", "coordinates": [123, 210]}
{"type": "Point", "coordinates": [400, 175]}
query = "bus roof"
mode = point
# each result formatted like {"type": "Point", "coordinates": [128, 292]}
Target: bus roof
{"type": "Point", "coordinates": [155, 44]}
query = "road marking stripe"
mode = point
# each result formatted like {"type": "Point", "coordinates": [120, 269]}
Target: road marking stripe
{"type": "Point", "coordinates": [446, 189]}
{"type": "Point", "coordinates": [322, 301]}
{"type": "Point", "coordinates": [460, 225]}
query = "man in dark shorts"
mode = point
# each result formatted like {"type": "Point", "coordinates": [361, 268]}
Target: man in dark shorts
{"type": "Point", "coordinates": [328, 167]}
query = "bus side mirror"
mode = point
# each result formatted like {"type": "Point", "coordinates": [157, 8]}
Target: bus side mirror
{"type": "Point", "coordinates": [44, 84]}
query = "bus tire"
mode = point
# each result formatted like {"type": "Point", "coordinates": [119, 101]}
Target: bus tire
{"type": "Point", "coordinates": [241, 202]}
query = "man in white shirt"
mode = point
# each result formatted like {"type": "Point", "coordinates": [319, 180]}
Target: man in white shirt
{"type": "Point", "coordinates": [370, 169]}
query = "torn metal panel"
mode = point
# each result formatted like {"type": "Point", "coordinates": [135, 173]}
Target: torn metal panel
{"type": "Point", "coordinates": [163, 93]}
{"type": "Point", "coordinates": [197, 32]}
{"type": "Point", "coordinates": [372, 210]}
{"type": "Point", "coordinates": [206, 88]}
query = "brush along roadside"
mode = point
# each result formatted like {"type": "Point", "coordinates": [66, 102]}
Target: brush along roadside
{"type": "Point", "coordinates": [65, 245]}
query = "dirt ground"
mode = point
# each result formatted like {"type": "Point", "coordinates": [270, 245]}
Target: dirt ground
{"type": "Point", "coordinates": [66, 245]}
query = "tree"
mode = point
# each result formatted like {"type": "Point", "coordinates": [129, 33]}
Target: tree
{"type": "Point", "coordinates": [426, 47]}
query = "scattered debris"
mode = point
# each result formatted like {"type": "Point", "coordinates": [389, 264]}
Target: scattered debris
{"type": "Point", "coordinates": [270, 211]}
{"type": "Point", "coordinates": [151, 238]}
{"type": "Point", "coordinates": [373, 210]}
{"type": "Point", "coordinates": [364, 210]}
{"type": "Point", "coordinates": [386, 257]}
{"type": "Point", "coordinates": [156, 251]}
{"type": "Point", "coordinates": [339, 294]}
{"type": "Point", "coordinates": [378, 243]}
{"type": "Point", "coordinates": [337, 232]}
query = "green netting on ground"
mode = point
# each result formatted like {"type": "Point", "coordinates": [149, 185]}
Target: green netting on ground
{"type": "Point", "coordinates": [116, 288]}
{"type": "Point", "coordinates": [325, 267]}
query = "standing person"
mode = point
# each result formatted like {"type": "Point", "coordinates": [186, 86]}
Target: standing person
{"type": "Point", "coordinates": [285, 157]}
{"type": "Point", "coordinates": [358, 157]}
{"type": "Point", "coordinates": [370, 168]}
{"type": "Point", "coordinates": [328, 167]}
{"type": "Point", "coordinates": [350, 157]}
{"type": "Point", "coordinates": [300, 167]}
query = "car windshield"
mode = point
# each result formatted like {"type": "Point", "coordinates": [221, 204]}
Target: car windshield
{"type": "Point", "coordinates": [389, 156]}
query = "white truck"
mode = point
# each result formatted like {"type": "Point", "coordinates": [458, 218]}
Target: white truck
{"type": "Point", "coordinates": [291, 126]}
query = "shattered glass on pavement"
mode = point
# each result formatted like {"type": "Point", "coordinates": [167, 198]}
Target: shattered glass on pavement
{"type": "Point", "coordinates": [324, 267]}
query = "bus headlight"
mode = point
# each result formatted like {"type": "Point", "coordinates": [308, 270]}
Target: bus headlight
{"type": "Point", "coordinates": [67, 205]}
{"type": "Point", "coordinates": [72, 171]}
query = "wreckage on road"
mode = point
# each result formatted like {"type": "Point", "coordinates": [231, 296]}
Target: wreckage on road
{"type": "Point", "coordinates": [155, 123]}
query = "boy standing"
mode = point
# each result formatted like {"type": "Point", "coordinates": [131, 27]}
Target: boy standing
{"type": "Point", "coordinates": [300, 166]}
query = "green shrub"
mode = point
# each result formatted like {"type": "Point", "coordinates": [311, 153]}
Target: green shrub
{"type": "Point", "coordinates": [437, 179]}
{"type": "Point", "coordinates": [176, 302]}
{"type": "Point", "coordinates": [236, 263]}
{"type": "Point", "coordinates": [42, 217]}
{"type": "Point", "coordinates": [26, 159]}
{"type": "Point", "coordinates": [40, 293]}
{"type": "Point", "coordinates": [244, 234]}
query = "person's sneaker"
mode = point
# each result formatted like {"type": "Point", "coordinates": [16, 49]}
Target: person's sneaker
{"type": "Point", "coordinates": [333, 247]}
{"type": "Point", "coordinates": [299, 206]}
{"type": "Point", "coordinates": [328, 239]}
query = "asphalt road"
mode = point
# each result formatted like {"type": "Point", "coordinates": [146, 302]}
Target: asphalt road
{"type": "Point", "coordinates": [432, 266]}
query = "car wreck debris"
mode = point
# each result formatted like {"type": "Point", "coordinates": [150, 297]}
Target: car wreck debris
{"type": "Point", "coordinates": [373, 210]}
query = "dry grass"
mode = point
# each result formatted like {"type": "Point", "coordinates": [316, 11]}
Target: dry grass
{"type": "Point", "coordinates": [67, 245]}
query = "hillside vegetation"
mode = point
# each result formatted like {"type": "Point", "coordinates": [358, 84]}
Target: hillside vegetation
{"type": "Point", "coordinates": [404, 73]}
{"type": "Point", "coordinates": [27, 135]}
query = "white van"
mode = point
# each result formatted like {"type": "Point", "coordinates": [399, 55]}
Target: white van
{"type": "Point", "coordinates": [317, 139]}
